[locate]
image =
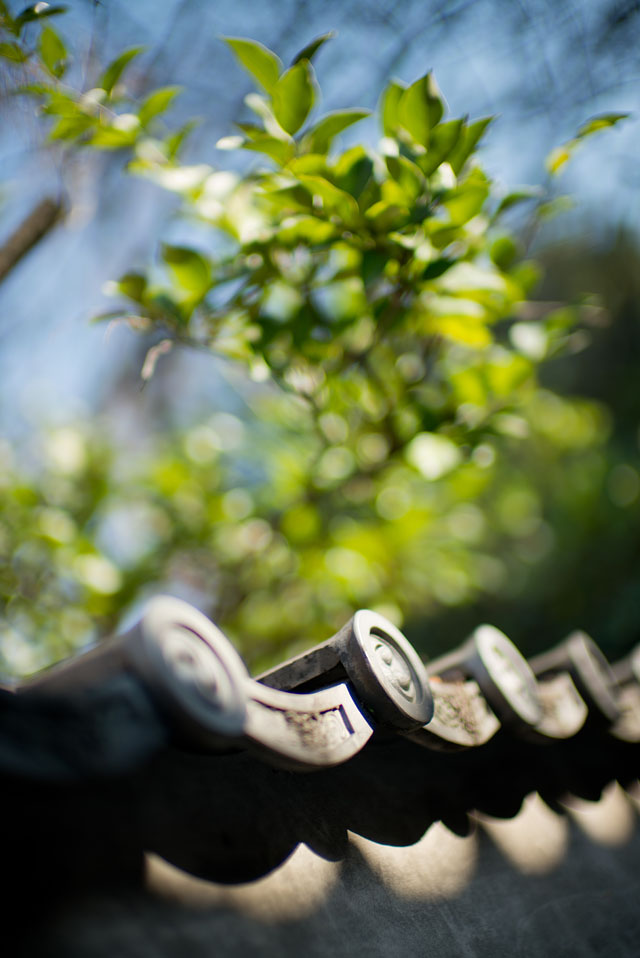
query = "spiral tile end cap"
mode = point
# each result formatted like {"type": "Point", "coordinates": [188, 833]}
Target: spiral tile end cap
{"type": "Point", "coordinates": [193, 667]}
{"type": "Point", "coordinates": [387, 672]}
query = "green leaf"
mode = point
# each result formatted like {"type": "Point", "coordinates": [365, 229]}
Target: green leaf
{"type": "Point", "coordinates": [293, 97]}
{"type": "Point", "coordinates": [173, 143]}
{"type": "Point", "coordinates": [259, 61]}
{"type": "Point", "coordinates": [117, 67]}
{"type": "Point", "coordinates": [558, 156]}
{"type": "Point", "coordinates": [554, 207]}
{"type": "Point", "coordinates": [600, 122]}
{"type": "Point", "coordinates": [13, 52]}
{"type": "Point", "coordinates": [308, 52]}
{"type": "Point", "coordinates": [161, 306]}
{"type": "Point", "coordinates": [518, 196]}
{"type": "Point", "coordinates": [285, 199]}
{"type": "Point", "coordinates": [250, 130]}
{"type": "Point", "coordinates": [36, 12]}
{"type": "Point", "coordinates": [33, 89]}
{"type": "Point", "coordinates": [504, 251]}
{"type": "Point", "coordinates": [71, 127]}
{"type": "Point", "coordinates": [306, 229]}
{"type": "Point", "coordinates": [261, 106]}
{"type": "Point", "coordinates": [122, 132]}
{"type": "Point", "coordinates": [527, 274]}
{"type": "Point", "coordinates": [353, 171]}
{"type": "Point", "coordinates": [133, 286]}
{"type": "Point", "coordinates": [461, 320]}
{"type": "Point", "coordinates": [188, 268]}
{"type": "Point", "coordinates": [319, 137]}
{"type": "Point", "coordinates": [465, 202]}
{"type": "Point", "coordinates": [6, 20]}
{"type": "Point", "coordinates": [479, 284]}
{"type": "Point", "coordinates": [421, 108]}
{"type": "Point", "coordinates": [374, 262]}
{"type": "Point", "coordinates": [107, 138]}
{"type": "Point", "coordinates": [333, 199]}
{"type": "Point", "coordinates": [156, 103]}
{"type": "Point", "coordinates": [409, 176]}
{"type": "Point", "coordinates": [467, 143]}
{"type": "Point", "coordinates": [562, 154]}
{"type": "Point", "coordinates": [53, 52]}
{"type": "Point", "coordinates": [437, 267]}
{"type": "Point", "coordinates": [61, 104]}
{"type": "Point", "coordinates": [443, 140]}
{"type": "Point", "coordinates": [384, 216]}
{"type": "Point", "coordinates": [389, 104]}
{"type": "Point", "coordinates": [278, 150]}
{"type": "Point", "coordinates": [311, 164]}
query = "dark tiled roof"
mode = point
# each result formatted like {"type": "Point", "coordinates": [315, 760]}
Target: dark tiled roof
{"type": "Point", "coordinates": [159, 742]}
{"type": "Point", "coordinates": [161, 737]}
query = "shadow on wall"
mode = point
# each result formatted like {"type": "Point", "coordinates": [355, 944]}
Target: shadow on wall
{"type": "Point", "coordinates": [538, 885]}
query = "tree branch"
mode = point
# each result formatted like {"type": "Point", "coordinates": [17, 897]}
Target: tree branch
{"type": "Point", "coordinates": [33, 228]}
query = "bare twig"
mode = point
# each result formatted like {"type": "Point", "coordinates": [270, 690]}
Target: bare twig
{"type": "Point", "coordinates": [33, 228]}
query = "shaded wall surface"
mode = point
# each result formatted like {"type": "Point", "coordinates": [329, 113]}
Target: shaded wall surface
{"type": "Point", "coordinates": [185, 852]}
{"type": "Point", "coordinates": [537, 885]}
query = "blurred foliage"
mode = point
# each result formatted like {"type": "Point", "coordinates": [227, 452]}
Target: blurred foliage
{"type": "Point", "coordinates": [562, 154]}
{"type": "Point", "coordinates": [401, 454]}
{"type": "Point", "coordinates": [256, 526]}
